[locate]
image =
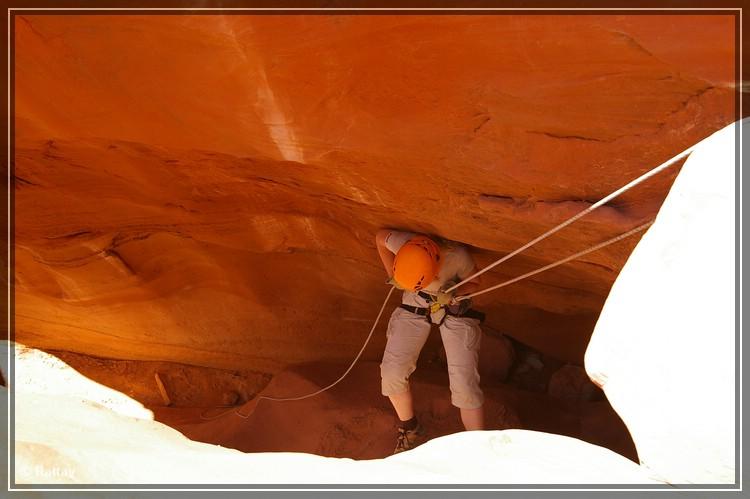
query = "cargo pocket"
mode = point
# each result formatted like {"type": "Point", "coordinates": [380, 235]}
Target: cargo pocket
{"type": "Point", "coordinates": [395, 317]}
{"type": "Point", "coordinates": [473, 337]}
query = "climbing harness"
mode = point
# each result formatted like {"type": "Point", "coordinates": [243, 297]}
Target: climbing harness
{"type": "Point", "coordinates": [458, 299]}
{"type": "Point", "coordinates": [454, 310]}
{"type": "Point", "coordinates": [436, 313]}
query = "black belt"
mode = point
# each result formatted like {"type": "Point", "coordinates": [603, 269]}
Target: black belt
{"type": "Point", "coordinates": [416, 310]}
{"type": "Point", "coordinates": [471, 313]}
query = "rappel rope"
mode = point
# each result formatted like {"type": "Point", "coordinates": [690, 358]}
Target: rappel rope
{"type": "Point", "coordinates": [372, 330]}
{"type": "Point", "coordinates": [564, 260]}
{"type": "Point", "coordinates": [286, 399]}
{"type": "Point", "coordinates": [588, 210]}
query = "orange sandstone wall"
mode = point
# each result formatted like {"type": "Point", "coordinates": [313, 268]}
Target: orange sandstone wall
{"type": "Point", "coordinates": [205, 189]}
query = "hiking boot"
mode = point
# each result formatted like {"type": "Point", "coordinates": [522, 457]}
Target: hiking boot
{"type": "Point", "coordinates": [408, 439]}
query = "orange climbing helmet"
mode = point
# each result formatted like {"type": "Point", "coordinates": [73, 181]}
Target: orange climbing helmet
{"type": "Point", "coordinates": [417, 263]}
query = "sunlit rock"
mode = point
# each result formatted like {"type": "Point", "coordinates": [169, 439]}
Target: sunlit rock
{"type": "Point", "coordinates": [664, 349]}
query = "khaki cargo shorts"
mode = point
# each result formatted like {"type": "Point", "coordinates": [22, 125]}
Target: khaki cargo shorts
{"type": "Point", "coordinates": [407, 334]}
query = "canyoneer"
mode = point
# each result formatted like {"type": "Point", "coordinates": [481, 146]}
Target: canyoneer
{"type": "Point", "coordinates": [424, 267]}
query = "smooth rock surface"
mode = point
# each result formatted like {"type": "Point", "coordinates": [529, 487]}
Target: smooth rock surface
{"type": "Point", "coordinates": [104, 444]}
{"type": "Point", "coordinates": [206, 189]}
{"type": "Point", "coordinates": [665, 347]}
{"type": "Point", "coordinates": [644, 361]}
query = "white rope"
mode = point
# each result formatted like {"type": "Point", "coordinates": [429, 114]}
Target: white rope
{"type": "Point", "coordinates": [372, 330]}
{"type": "Point", "coordinates": [457, 299]}
{"type": "Point", "coordinates": [591, 208]}
{"type": "Point", "coordinates": [553, 265]}
{"type": "Point", "coordinates": [588, 210]}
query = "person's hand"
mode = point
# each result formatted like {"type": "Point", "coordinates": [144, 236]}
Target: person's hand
{"type": "Point", "coordinates": [444, 298]}
{"type": "Point", "coordinates": [392, 282]}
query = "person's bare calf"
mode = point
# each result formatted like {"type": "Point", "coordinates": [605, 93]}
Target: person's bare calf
{"type": "Point", "coordinates": [403, 404]}
{"type": "Point", "coordinates": [473, 419]}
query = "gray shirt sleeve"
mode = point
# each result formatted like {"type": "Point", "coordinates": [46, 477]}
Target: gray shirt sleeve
{"type": "Point", "coordinates": [466, 264]}
{"type": "Point", "coordinates": [395, 239]}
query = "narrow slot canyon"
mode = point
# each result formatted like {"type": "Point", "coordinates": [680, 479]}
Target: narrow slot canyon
{"type": "Point", "coordinates": [195, 202]}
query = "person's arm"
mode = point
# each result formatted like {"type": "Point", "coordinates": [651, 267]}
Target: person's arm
{"type": "Point", "coordinates": [470, 268]}
{"type": "Point", "coordinates": [386, 256]}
